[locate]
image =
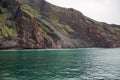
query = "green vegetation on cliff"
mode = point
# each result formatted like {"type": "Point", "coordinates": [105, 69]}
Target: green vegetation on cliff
{"type": "Point", "coordinates": [6, 29]}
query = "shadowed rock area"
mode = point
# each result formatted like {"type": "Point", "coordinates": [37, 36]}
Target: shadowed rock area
{"type": "Point", "coordinates": [37, 24]}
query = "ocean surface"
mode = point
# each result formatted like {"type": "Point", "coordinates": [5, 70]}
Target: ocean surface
{"type": "Point", "coordinates": [64, 64]}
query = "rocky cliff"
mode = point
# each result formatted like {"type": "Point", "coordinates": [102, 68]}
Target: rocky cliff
{"type": "Point", "coordinates": [29, 24]}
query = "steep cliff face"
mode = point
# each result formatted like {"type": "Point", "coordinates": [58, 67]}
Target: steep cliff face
{"type": "Point", "coordinates": [39, 24]}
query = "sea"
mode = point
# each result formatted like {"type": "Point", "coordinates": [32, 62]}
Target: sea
{"type": "Point", "coordinates": [60, 64]}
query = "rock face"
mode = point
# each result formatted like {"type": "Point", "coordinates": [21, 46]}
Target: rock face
{"type": "Point", "coordinates": [36, 24]}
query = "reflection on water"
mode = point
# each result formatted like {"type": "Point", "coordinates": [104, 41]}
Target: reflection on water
{"type": "Point", "coordinates": [74, 64]}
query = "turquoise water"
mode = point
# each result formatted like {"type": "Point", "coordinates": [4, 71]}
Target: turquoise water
{"type": "Point", "coordinates": [74, 64]}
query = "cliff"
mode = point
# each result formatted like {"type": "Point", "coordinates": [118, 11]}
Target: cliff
{"type": "Point", "coordinates": [36, 24]}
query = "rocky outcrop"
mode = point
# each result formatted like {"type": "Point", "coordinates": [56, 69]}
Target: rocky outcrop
{"type": "Point", "coordinates": [38, 24]}
{"type": "Point", "coordinates": [29, 33]}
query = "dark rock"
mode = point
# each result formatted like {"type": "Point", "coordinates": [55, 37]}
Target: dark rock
{"type": "Point", "coordinates": [1, 11]}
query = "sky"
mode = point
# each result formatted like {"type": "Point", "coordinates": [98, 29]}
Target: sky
{"type": "Point", "coordinates": [100, 10]}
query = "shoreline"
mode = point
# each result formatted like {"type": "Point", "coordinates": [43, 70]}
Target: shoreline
{"type": "Point", "coordinates": [19, 49]}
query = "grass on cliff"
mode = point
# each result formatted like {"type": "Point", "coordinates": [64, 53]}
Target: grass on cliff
{"type": "Point", "coordinates": [54, 19]}
{"type": "Point", "coordinates": [7, 32]}
{"type": "Point", "coordinates": [3, 14]}
{"type": "Point", "coordinates": [45, 34]}
{"type": "Point", "coordinates": [63, 26]}
{"type": "Point", "coordinates": [30, 11]}
{"type": "Point", "coordinates": [45, 30]}
{"type": "Point", "coordinates": [6, 29]}
{"type": "Point", "coordinates": [27, 10]}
